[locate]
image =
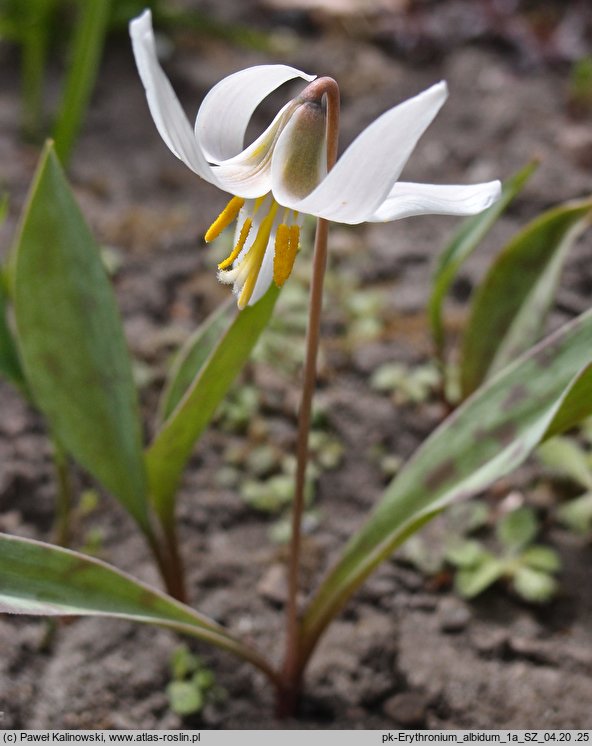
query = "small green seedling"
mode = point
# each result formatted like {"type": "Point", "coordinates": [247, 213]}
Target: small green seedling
{"type": "Point", "coordinates": [530, 568]}
{"type": "Point", "coordinates": [193, 685]}
{"type": "Point", "coordinates": [571, 457]}
{"type": "Point", "coordinates": [406, 384]}
{"type": "Point", "coordinates": [238, 409]}
{"type": "Point", "coordinates": [428, 550]}
{"type": "Point", "coordinates": [364, 312]}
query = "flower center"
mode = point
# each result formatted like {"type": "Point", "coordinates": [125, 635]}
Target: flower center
{"type": "Point", "coordinates": [276, 230]}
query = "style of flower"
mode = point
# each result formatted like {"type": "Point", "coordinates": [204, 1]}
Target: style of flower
{"type": "Point", "coordinates": [282, 175]}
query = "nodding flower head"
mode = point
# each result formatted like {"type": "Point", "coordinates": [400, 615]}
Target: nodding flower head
{"type": "Point", "coordinates": [282, 175]}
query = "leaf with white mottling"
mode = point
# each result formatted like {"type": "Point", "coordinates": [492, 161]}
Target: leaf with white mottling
{"type": "Point", "coordinates": [511, 304]}
{"type": "Point", "coordinates": [491, 434]}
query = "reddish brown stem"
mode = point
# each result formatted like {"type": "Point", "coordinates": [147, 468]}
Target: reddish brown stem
{"type": "Point", "coordinates": [289, 692]}
{"type": "Point", "coordinates": [170, 564]}
{"type": "Point", "coordinates": [176, 585]}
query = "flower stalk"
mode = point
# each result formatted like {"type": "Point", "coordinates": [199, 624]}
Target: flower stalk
{"type": "Point", "coordinates": [175, 573]}
{"type": "Point", "coordinates": [289, 693]}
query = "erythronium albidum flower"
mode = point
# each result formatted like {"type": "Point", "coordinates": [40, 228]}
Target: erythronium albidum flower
{"type": "Point", "coordinates": [283, 175]}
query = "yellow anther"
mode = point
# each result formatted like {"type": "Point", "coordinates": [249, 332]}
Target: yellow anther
{"type": "Point", "coordinates": [294, 238]}
{"type": "Point", "coordinates": [282, 238]}
{"type": "Point", "coordinates": [287, 240]}
{"type": "Point", "coordinates": [225, 218]}
{"type": "Point", "coordinates": [245, 230]}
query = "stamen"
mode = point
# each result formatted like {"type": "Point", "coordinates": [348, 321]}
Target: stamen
{"type": "Point", "coordinates": [294, 238]}
{"type": "Point", "coordinates": [258, 202]}
{"type": "Point", "coordinates": [225, 218]}
{"type": "Point", "coordinates": [287, 240]}
{"type": "Point", "coordinates": [245, 230]}
{"type": "Point", "coordinates": [252, 262]}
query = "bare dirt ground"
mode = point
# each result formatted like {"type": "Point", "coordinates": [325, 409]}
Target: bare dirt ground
{"type": "Point", "coordinates": [406, 652]}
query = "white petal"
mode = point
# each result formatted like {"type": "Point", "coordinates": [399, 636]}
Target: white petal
{"type": "Point", "coordinates": [364, 175]}
{"type": "Point", "coordinates": [168, 115]}
{"type": "Point", "coordinates": [227, 109]}
{"type": "Point", "coordinates": [248, 174]}
{"type": "Point", "coordinates": [407, 199]}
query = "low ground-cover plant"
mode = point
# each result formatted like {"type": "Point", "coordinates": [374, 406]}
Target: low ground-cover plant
{"type": "Point", "coordinates": [570, 458]}
{"type": "Point", "coordinates": [530, 568]}
{"type": "Point", "coordinates": [69, 342]}
{"type": "Point", "coordinates": [485, 544]}
{"type": "Point", "coordinates": [192, 684]}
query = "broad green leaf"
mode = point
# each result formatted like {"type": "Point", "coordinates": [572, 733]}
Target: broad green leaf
{"type": "Point", "coordinates": [10, 365]}
{"type": "Point", "coordinates": [484, 439]}
{"type": "Point", "coordinates": [517, 529]}
{"type": "Point", "coordinates": [173, 444]}
{"type": "Point", "coordinates": [511, 304]}
{"type": "Point", "coordinates": [71, 340]}
{"type": "Point", "coordinates": [565, 456]}
{"type": "Point", "coordinates": [41, 579]}
{"type": "Point", "coordinates": [570, 413]}
{"type": "Point", "coordinates": [468, 237]}
{"type": "Point", "coordinates": [193, 356]}
{"type": "Point", "coordinates": [83, 68]}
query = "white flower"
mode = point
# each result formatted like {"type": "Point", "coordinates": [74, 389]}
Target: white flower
{"type": "Point", "coordinates": [283, 175]}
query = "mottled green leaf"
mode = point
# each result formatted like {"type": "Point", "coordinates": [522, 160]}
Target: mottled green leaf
{"type": "Point", "coordinates": [71, 340]}
{"type": "Point", "coordinates": [40, 579]}
{"type": "Point", "coordinates": [173, 444]}
{"type": "Point", "coordinates": [510, 305]}
{"type": "Point", "coordinates": [484, 439]}
{"type": "Point", "coordinates": [464, 242]}
{"type": "Point", "coordinates": [193, 356]}
{"type": "Point", "coordinates": [571, 413]}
